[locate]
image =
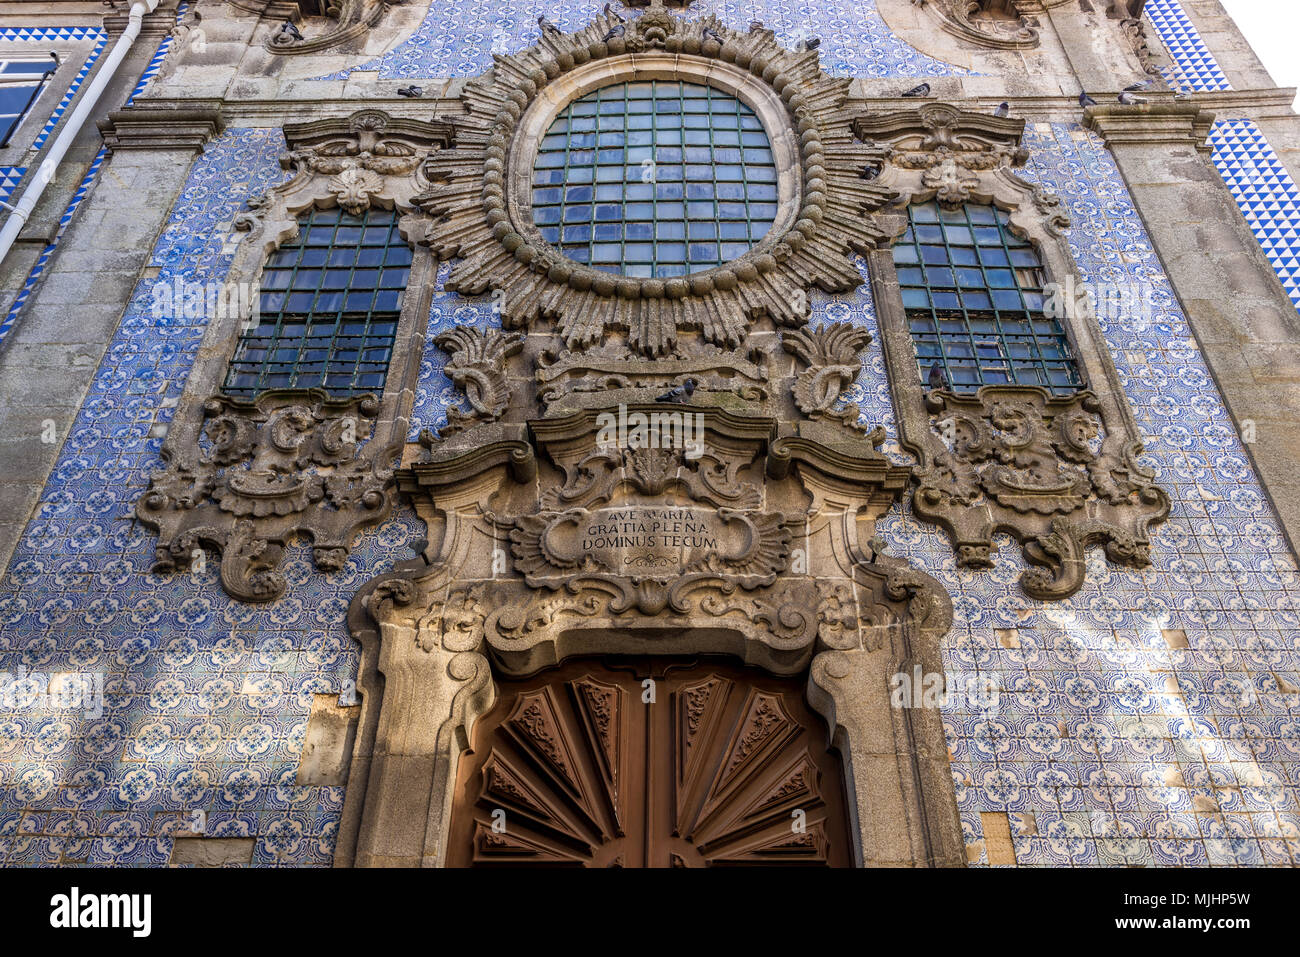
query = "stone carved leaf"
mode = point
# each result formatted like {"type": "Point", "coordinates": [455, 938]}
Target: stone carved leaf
{"type": "Point", "coordinates": [832, 356]}
{"type": "Point", "coordinates": [477, 364]}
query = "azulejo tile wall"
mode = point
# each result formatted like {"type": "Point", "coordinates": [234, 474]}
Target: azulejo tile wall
{"type": "Point", "coordinates": [1114, 740]}
{"type": "Point", "coordinates": [206, 699]}
{"type": "Point", "coordinates": [1110, 742]}
{"type": "Point", "coordinates": [1265, 192]}
{"type": "Point", "coordinates": [459, 37]}
{"type": "Point", "coordinates": [1195, 68]}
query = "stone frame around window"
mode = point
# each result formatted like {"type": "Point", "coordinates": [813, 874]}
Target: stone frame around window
{"type": "Point", "coordinates": [480, 200]}
{"type": "Point", "coordinates": [243, 477]}
{"type": "Point", "coordinates": [1058, 473]}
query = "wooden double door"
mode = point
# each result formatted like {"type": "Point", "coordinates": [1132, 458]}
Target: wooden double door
{"type": "Point", "coordinates": [650, 763]}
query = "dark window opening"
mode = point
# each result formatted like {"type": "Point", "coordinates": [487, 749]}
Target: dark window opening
{"type": "Point", "coordinates": [973, 293]}
{"type": "Point", "coordinates": [329, 307]}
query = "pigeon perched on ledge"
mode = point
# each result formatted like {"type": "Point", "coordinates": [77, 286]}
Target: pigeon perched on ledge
{"type": "Point", "coordinates": [936, 379]}
{"type": "Point", "coordinates": [1131, 99]}
{"type": "Point", "coordinates": [1086, 101]}
{"type": "Point", "coordinates": [1003, 110]}
{"type": "Point", "coordinates": [611, 12]}
{"type": "Point", "coordinates": [409, 91]}
{"type": "Point", "coordinates": [922, 90]}
{"type": "Point", "coordinates": [548, 28]}
{"type": "Point", "coordinates": [681, 393]}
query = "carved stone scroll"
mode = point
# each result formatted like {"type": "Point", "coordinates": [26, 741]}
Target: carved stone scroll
{"type": "Point", "coordinates": [832, 356]}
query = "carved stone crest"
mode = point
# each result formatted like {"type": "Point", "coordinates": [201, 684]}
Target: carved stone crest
{"type": "Point", "coordinates": [1018, 457]}
{"type": "Point", "coordinates": [287, 463]}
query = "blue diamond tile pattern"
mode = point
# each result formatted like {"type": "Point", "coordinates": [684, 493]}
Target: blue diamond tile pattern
{"type": "Point", "coordinates": [92, 174]}
{"type": "Point", "coordinates": [10, 176]}
{"type": "Point", "coordinates": [47, 34]}
{"type": "Point", "coordinates": [1265, 192]}
{"type": "Point", "coordinates": [459, 38]}
{"type": "Point", "coordinates": [1195, 68]}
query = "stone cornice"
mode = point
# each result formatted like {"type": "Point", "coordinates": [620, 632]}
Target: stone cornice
{"type": "Point", "coordinates": [1151, 123]}
{"type": "Point", "coordinates": [1270, 103]}
{"type": "Point", "coordinates": [151, 128]}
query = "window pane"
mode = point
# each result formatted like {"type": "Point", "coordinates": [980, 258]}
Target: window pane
{"type": "Point", "coordinates": [669, 161]}
{"type": "Point", "coordinates": [331, 269]}
{"type": "Point", "coordinates": [990, 330]}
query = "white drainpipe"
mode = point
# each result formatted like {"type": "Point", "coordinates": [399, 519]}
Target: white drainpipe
{"type": "Point", "coordinates": [71, 127]}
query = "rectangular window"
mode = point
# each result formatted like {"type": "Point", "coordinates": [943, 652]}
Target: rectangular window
{"type": "Point", "coordinates": [330, 304]}
{"type": "Point", "coordinates": [973, 291]}
{"type": "Point", "coordinates": [21, 82]}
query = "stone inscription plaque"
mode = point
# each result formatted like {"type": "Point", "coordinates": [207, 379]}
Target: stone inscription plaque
{"type": "Point", "coordinates": [647, 539]}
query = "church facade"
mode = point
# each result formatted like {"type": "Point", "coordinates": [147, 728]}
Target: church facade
{"type": "Point", "coordinates": [659, 434]}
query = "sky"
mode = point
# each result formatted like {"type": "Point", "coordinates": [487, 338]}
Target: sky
{"type": "Point", "coordinates": [1272, 27]}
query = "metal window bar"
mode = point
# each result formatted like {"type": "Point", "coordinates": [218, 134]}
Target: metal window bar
{"type": "Point", "coordinates": [972, 291]}
{"type": "Point", "coordinates": [655, 179]}
{"type": "Point", "coordinates": [330, 303]}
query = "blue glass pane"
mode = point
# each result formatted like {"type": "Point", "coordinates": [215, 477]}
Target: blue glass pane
{"type": "Point", "coordinates": [644, 167]}
{"type": "Point", "coordinates": [990, 329]}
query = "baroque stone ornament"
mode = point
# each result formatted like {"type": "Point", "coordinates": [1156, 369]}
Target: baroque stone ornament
{"type": "Point", "coordinates": [650, 468]}
{"type": "Point", "coordinates": [482, 193]}
{"type": "Point", "coordinates": [1043, 467]}
{"type": "Point", "coordinates": [241, 478]}
{"type": "Point", "coordinates": [831, 354]}
{"type": "Point", "coordinates": [1059, 473]}
{"type": "Point", "coordinates": [563, 539]}
{"type": "Point", "coordinates": [350, 20]}
{"type": "Point", "coordinates": [997, 24]}
{"type": "Point", "coordinates": [287, 463]}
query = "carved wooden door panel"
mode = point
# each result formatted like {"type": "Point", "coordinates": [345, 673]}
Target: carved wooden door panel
{"type": "Point", "coordinates": [578, 766]}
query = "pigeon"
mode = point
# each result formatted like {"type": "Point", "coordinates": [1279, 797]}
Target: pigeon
{"type": "Point", "coordinates": [289, 28]}
{"type": "Point", "coordinates": [870, 172]}
{"type": "Point", "coordinates": [755, 26]}
{"type": "Point", "coordinates": [548, 27]}
{"type": "Point", "coordinates": [1139, 85]}
{"type": "Point", "coordinates": [679, 393]}
{"type": "Point", "coordinates": [812, 43]}
{"type": "Point", "coordinates": [611, 12]}
{"type": "Point", "coordinates": [1086, 101]}
{"type": "Point", "coordinates": [922, 90]}
{"type": "Point", "coordinates": [936, 378]}
{"type": "Point", "coordinates": [1130, 99]}
{"type": "Point", "coordinates": [409, 91]}
{"type": "Point", "coordinates": [714, 35]}
{"type": "Point", "coordinates": [616, 31]}
{"type": "Point", "coordinates": [877, 546]}
{"type": "Point", "coordinates": [1004, 109]}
